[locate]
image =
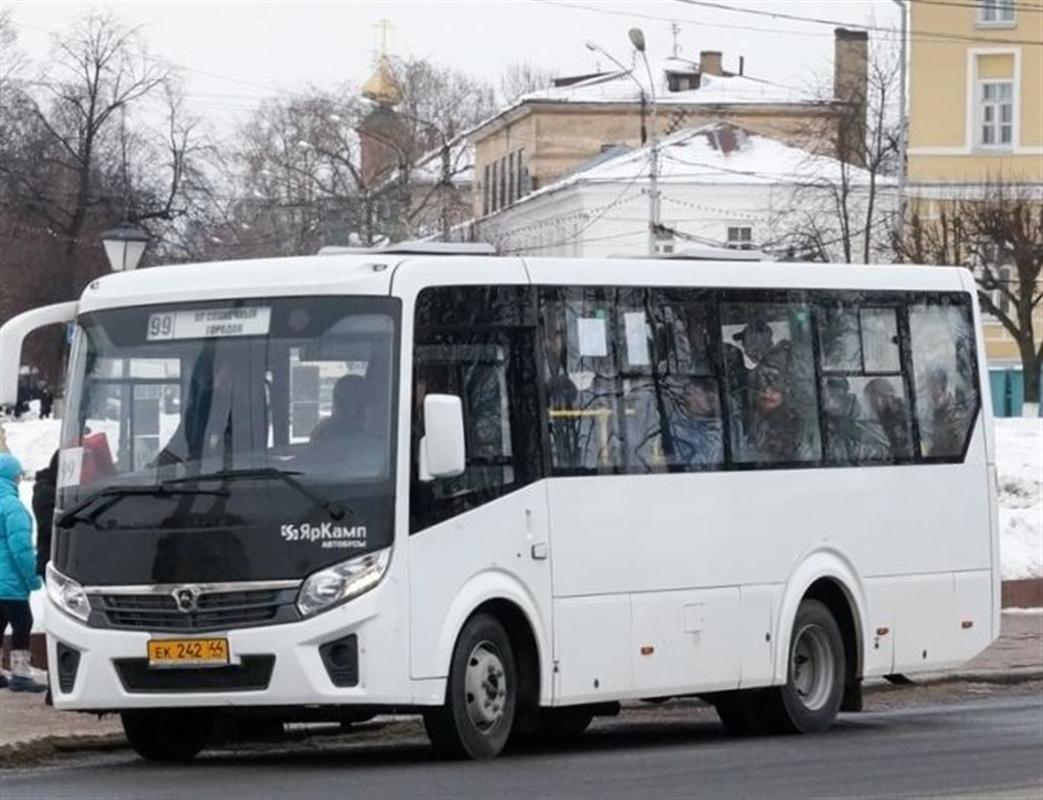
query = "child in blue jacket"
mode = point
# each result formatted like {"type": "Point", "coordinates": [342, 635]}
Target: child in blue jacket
{"type": "Point", "coordinates": [17, 575]}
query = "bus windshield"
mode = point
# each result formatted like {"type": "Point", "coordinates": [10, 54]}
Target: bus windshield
{"type": "Point", "coordinates": [169, 395]}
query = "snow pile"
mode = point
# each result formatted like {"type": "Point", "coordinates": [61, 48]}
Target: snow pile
{"type": "Point", "coordinates": [33, 441]}
{"type": "Point", "coordinates": [1019, 469]}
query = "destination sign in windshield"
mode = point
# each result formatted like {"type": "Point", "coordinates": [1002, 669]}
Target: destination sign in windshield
{"type": "Point", "coordinates": [209, 323]}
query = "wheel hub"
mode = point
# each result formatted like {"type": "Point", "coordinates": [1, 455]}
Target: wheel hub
{"type": "Point", "coordinates": [485, 687]}
{"type": "Point", "coordinates": [812, 667]}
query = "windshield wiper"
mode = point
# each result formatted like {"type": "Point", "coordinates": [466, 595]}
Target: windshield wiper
{"type": "Point", "coordinates": [117, 493]}
{"type": "Point", "coordinates": [335, 510]}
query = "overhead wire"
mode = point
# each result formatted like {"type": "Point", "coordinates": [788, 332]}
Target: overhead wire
{"type": "Point", "coordinates": [913, 33]}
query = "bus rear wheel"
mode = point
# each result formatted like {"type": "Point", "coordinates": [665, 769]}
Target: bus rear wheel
{"type": "Point", "coordinates": [810, 699]}
{"type": "Point", "coordinates": [168, 734]}
{"type": "Point", "coordinates": [481, 695]}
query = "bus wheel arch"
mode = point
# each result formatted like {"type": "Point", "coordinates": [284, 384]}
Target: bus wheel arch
{"type": "Point", "coordinates": [493, 683]}
{"type": "Point", "coordinates": [828, 577]}
{"type": "Point", "coordinates": [526, 651]}
{"type": "Point", "coordinates": [835, 597]}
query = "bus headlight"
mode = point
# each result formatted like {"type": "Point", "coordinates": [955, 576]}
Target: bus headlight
{"type": "Point", "coordinates": [67, 594]}
{"type": "Point", "coordinates": [342, 581]}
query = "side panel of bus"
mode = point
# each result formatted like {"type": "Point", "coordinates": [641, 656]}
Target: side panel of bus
{"type": "Point", "coordinates": [669, 578]}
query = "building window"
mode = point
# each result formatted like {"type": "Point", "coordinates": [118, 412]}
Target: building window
{"type": "Point", "coordinates": [520, 192]}
{"type": "Point", "coordinates": [995, 113]}
{"type": "Point", "coordinates": [740, 238]}
{"type": "Point", "coordinates": [1001, 298]}
{"type": "Point", "coordinates": [996, 12]}
{"type": "Point", "coordinates": [510, 178]}
{"type": "Point", "coordinates": [503, 181]}
{"type": "Point", "coordinates": [486, 186]}
{"type": "Point", "coordinates": [495, 188]}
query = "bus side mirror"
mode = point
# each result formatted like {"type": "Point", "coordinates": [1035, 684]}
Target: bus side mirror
{"type": "Point", "coordinates": [442, 450]}
{"type": "Point", "coordinates": [14, 331]}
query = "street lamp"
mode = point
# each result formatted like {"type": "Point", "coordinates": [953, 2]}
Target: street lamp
{"type": "Point", "coordinates": [637, 39]}
{"type": "Point", "coordinates": [124, 245]}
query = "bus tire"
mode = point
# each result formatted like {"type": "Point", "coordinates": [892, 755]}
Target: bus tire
{"type": "Point", "coordinates": [809, 700]}
{"type": "Point", "coordinates": [168, 734]}
{"type": "Point", "coordinates": [481, 695]}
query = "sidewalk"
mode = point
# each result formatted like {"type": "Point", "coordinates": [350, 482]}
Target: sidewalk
{"type": "Point", "coordinates": [27, 724]}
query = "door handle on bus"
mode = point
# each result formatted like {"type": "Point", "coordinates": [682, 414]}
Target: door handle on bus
{"type": "Point", "coordinates": [539, 551]}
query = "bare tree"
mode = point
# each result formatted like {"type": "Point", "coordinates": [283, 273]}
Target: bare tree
{"type": "Point", "coordinates": [845, 214]}
{"type": "Point", "coordinates": [523, 77]}
{"type": "Point", "coordinates": [998, 234]}
{"type": "Point", "coordinates": [293, 182]}
{"type": "Point", "coordinates": [438, 105]}
{"type": "Point", "coordinates": [77, 154]}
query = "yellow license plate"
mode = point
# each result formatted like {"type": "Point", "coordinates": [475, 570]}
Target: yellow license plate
{"type": "Point", "coordinates": [187, 652]}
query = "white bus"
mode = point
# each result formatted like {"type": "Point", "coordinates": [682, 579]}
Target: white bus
{"type": "Point", "coordinates": [508, 494]}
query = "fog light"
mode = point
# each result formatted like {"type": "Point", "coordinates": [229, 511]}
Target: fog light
{"type": "Point", "coordinates": [68, 666]}
{"type": "Point", "coordinates": [341, 659]}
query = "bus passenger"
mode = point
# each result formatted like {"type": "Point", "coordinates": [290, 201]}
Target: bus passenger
{"type": "Point", "coordinates": [697, 431]}
{"type": "Point", "coordinates": [346, 415]}
{"type": "Point", "coordinates": [890, 411]}
{"type": "Point", "coordinates": [946, 439]}
{"type": "Point", "coordinates": [342, 438]}
{"type": "Point", "coordinates": [776, 430]}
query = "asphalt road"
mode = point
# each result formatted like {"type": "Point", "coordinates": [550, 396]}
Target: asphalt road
{"type": "Point", "coordinates": [950, 746]}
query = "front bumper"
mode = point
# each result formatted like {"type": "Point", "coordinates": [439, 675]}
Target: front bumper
{"type": "Point", "coordinates": [298, 674]}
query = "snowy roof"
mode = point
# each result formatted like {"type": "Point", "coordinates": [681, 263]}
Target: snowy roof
{"type": "Point", "coordinates": [620, 87]}
{"type": "Point", "coordinates": [715, 154]}
{"type": "Point", "coordinates": [722, 153]}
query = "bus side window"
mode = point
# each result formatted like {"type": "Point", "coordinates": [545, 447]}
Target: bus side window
{"type": "Point", "coordinates": [770, 377]}
{"type": "Point", "coordinates": [672, 396]}
{"type": "Point", "coordinates": [865, 400]}
{"type": "Point", "coordinates": [581, 379]}
{"type": "Point", "coordinates": [491, 370]}
{"type": "Point", "coordinates": [943, 355]}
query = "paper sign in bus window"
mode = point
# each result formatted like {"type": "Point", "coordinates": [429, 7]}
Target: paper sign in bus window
{"type": "Point", "coordinates": [637, 338]}
{"type": "Point", "coordinates": [593, 337]}
{"type": "Point", "coordinates": [70, 463]}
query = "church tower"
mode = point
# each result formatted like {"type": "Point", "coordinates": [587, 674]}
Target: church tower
{"type": "Point", "coordinates": [383, 135]}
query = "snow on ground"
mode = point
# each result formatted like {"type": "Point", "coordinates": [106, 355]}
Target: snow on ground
{"type": "Point", "coordinates": [1019, 466]}
{"type": "Point", "coordinates": [1019, 469]}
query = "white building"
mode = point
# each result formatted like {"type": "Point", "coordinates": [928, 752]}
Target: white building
{"type": "Point", "coordinates": [719, 184]}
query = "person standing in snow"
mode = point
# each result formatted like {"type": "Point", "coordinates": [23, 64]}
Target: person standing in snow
{"type": "Point", "coordinates": [17, 574]}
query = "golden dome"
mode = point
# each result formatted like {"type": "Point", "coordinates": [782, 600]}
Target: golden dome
{"type": "Point", "coordinates": [381, 87]}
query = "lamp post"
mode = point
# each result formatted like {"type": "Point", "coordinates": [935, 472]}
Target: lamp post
{"type": "Point", "coordinates": [124, 245]}
{"type": "Point", "coordinates": [637, 39]}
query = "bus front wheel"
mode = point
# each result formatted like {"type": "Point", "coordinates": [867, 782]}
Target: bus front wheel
{"type": "Point", "coordinates": [168, 734]}
{"type": "Point", "coordinates": [481, 694]}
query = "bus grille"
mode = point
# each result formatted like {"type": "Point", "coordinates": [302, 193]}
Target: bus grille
{"type": "Point", "coordinates": [214, 610]}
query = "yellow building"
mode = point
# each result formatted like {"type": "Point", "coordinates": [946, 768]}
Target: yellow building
{"type": "Point", "coordinates": [976, 98]}
{"type": "Point", "coordinates": [976, 110]}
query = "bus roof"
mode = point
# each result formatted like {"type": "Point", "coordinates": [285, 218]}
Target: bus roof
{"type": "Point", "coordinates": [372, 273]}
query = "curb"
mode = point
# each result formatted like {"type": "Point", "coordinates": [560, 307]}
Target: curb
{"type": "Point", "coordinates": [997, 677]}
{"type": "Point", "coordinates": [36, 751]}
